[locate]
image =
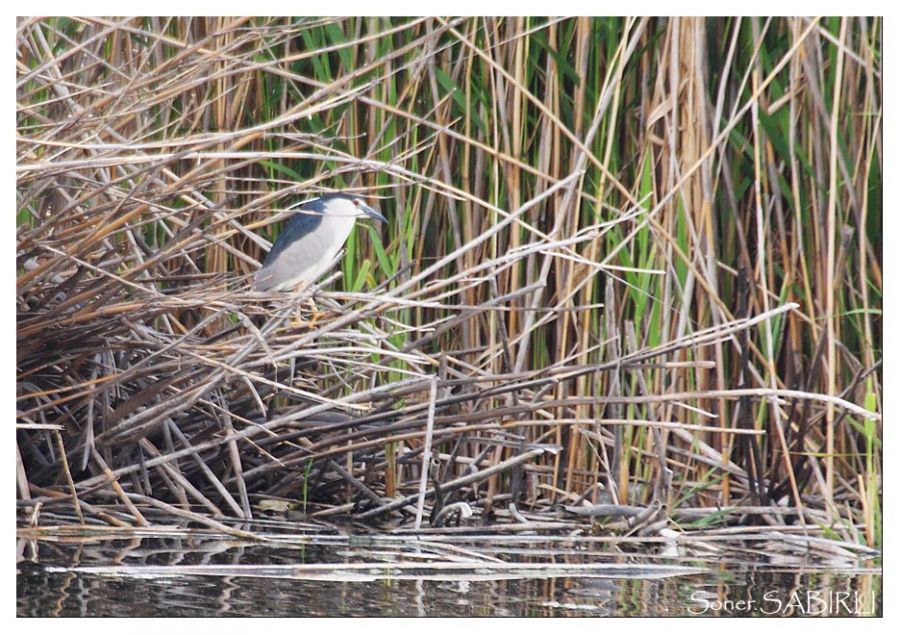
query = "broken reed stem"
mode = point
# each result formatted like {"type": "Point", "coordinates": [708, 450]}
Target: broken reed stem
{"type": "Point", "coordinates": [426, 452]}
{"type": "Point", "coordinates": [457, 483]}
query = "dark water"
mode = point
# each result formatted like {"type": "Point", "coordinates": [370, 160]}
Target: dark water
{"type": "Point", "coordinates": [184, 574]}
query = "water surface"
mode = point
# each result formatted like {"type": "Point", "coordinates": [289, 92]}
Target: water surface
{"type": "Point", "coordinates": [304, 572]}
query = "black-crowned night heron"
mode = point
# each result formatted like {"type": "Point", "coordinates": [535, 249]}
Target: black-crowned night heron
{"type": "Point", "coordinates": [308, 245]}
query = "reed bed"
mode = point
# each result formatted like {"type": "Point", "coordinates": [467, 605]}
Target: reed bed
{"type": "Point", "coordinates": [631, 274]}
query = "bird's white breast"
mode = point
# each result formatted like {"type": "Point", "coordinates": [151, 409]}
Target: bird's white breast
{"type": "Point", "coordinates": [309, 257]}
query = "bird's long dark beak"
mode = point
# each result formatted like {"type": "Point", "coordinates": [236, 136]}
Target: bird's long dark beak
{"type": "Point", "coordinates": [373, 213]}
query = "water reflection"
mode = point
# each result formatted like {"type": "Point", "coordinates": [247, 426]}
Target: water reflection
{"type": "Point", "coordinates": [313, 574]}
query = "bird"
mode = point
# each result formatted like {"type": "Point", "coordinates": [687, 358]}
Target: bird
{"type": "Point", "coordinates": [307, 246]}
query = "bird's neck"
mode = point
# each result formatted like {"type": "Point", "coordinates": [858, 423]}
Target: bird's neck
{"type": "Point", "coordinates": [341, 225]}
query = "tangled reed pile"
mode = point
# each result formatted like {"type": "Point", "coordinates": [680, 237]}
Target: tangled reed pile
{"type": "Point", "coordinates": [609, 287]}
